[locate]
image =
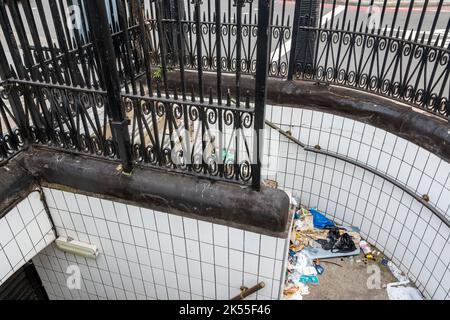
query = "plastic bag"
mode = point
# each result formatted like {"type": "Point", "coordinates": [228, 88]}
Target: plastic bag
{"type": "Point", "coordinates": [319, 220]}
{"type": "Point", "coordinates": [398, 291]}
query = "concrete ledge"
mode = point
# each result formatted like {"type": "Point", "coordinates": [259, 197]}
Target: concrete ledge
{"type": "Point", "coordinates": [16, 184]}
{"type": "Point", "coordinates": [264, 212]}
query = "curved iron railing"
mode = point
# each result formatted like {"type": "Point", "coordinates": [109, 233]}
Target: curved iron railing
{"type": "Point", "coordinates": [400, 50]}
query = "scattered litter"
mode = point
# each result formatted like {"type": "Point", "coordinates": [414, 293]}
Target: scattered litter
{"type": "Point", "coordinates": [309, 271]}
{"type": "Point", "coordinates": [292, 292]}
{"type": "Point", "coordinates": [314, 237]}
{"type": "Point", "coordinates": [319, 268]}
{"type": "Point", "coordinates": [320, 221]}
{"type": "Point", "coordinates": [309, 279]}
{"type": "Point", "coordinates": [366, 249]}
{"type": "Point", "coordinates": [398, 291]}
{"type": "Point", "coordinates": [396, 272]}
{"type": "Point", "coordinates": [319, 253]}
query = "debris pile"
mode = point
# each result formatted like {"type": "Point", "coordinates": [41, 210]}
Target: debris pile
{"type": "Point", "coordinates": [314, 238]}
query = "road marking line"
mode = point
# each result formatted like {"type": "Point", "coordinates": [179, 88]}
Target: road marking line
{"type": "Point", "coordinates": [288, 43]}
{"type": "Point", "coordinates": [328, 16]}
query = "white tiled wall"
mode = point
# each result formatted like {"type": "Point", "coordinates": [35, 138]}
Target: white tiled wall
{"type": "Point", "coordinates": [391, 219]}
{"type": "Point", "coordinates": [24, 232]}
{"type": "Point", "coordinates": [146, 254]}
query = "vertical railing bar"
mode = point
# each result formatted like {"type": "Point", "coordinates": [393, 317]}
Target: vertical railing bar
{"type": "Point", "coordinates": [295, 27]}
{"type": "Point", "coordinates": [264, 16]}
{"type": "Point", "coordinates": [53, 53]}
{"type": "Point", "coordinates": [199, 48]}
{"type": "Point", "coordinates": [103, 44]}
{"type": "Point", "coordinates": [178, 31]}
{"type": "Point", "coordinates": [69, 63]}
{"type": "Point", "coordinates": [219, 82]}
{"type": "Point", "coordinates": [35, 36]}
{"type": "Point", "coordinates": [162, 47]}
{"type": "Point", "coordinates": [65, 28]}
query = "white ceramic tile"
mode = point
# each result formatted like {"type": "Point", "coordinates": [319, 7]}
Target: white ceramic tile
{"type": "Point", "coordinates": [5, 266]}
{"type": "Point", "coordinates": [83, 204]}
{"type": "Point", "coordinates": [194, 269]}
{"type": "Point", "coordinates": [251, 263]}
{"type": "Point", "coordinates": [43, 222]}
{"type": "Point", "coordinates": [206, 252]}
{"type": "Point", "coordinates": [114, 231]}
{"type": "Point", "coordinates": [193, 249]}
{"type": "Point", "coordinates": [139, 236]}
{"type": "Point", "coordinates": [168, 261]}
{"type": "Point", "coordinates": [165, 242]}
{"type": "Point", "coordinates": [236, 259]}
{"type": "Point", "coordinates": [252, 241]}
{"type": "Point", "coordinates": [59, 199]}
{"type": "Point", "coordinates": [176, 225]}
{"type": "Point", "coordinates": [135, 215]}
{"type": "Point", "coordinates": [268, 246]}
{"type": "Point", "coordinates": [96, 207]}
{"type": "Point", "coordinates": [26, 212]}
{"type": "Point", "coordinates": [14, 221]}
{"type": "Point", "coordinates": [236, 238]}
{"type": "Point", "coordinates": [108, 210]}
{"type": "Point", "coordinates": [190, 228]}
{"type": "Point", "coordinates": [221, 256]}
{"type": "Point", "coordinates": [148, 219]}
{"type": "Point", "coordinates": [209, 289]}
{"type": "Point", "coordinates": [34, 232]}
{"type": "Point", "coordinates": [126, 233]}
{"type": "Point", "coordinates": [179, 247]}
{"type": "Point", "coordinates": [205, 231]}
{"type": "Point", "coordinates": [24, 242]}
{"type": "Point", "coordinates": [196, 286]}
{"type": "Point", "coordinates": [222, 275]}
{"type": "Point", "coordinates": [13, 253]}
{"type": "Point", "coordinates": [162, 222]}
{"type": "Point", "coordinates": [71, 202]}
{"type": "Point", "coordinates": [5, 232]}
{"type": "Point", "coordinates": [220, 235]}
{"type": "Point", "coordinates": [121, 213]}
{"type": "Point", "coordinates": [208, 272]}
{"type": "Point", "coordinates": [102, 227]}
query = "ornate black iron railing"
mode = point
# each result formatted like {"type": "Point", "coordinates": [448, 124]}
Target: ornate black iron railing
{"type": "Point", "coordinates": [397, 49]}
{"type": "Point", "coordinates": [102, 89]}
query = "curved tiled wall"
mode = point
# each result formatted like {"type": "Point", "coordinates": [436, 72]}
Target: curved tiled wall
{"type": "Point", "coordinates": [390, 218]}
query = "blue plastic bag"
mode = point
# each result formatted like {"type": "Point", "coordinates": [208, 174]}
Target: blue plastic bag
{"type": "Point", "coordinates": [319, 220]}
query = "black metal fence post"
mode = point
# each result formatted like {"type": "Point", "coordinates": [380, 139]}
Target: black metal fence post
{"type": "Point", "coordinates": [305, 15]}
{"type": "Point", "coordinates": [262, 67]}
{"type": "Point", "coordinates": [103, 45]}
{"type": "Point", "coordinates": [295, 26]}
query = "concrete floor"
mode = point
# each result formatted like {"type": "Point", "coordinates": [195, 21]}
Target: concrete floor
{"type": "Point", "coordinates": [350, 282]}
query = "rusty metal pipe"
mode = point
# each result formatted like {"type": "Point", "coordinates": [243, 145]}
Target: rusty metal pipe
{"type": "Point", "coordinates": [245, 292]}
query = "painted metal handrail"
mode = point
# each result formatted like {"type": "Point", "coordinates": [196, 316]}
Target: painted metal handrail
{"type": "Point", "coordinates": [319, 150]}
